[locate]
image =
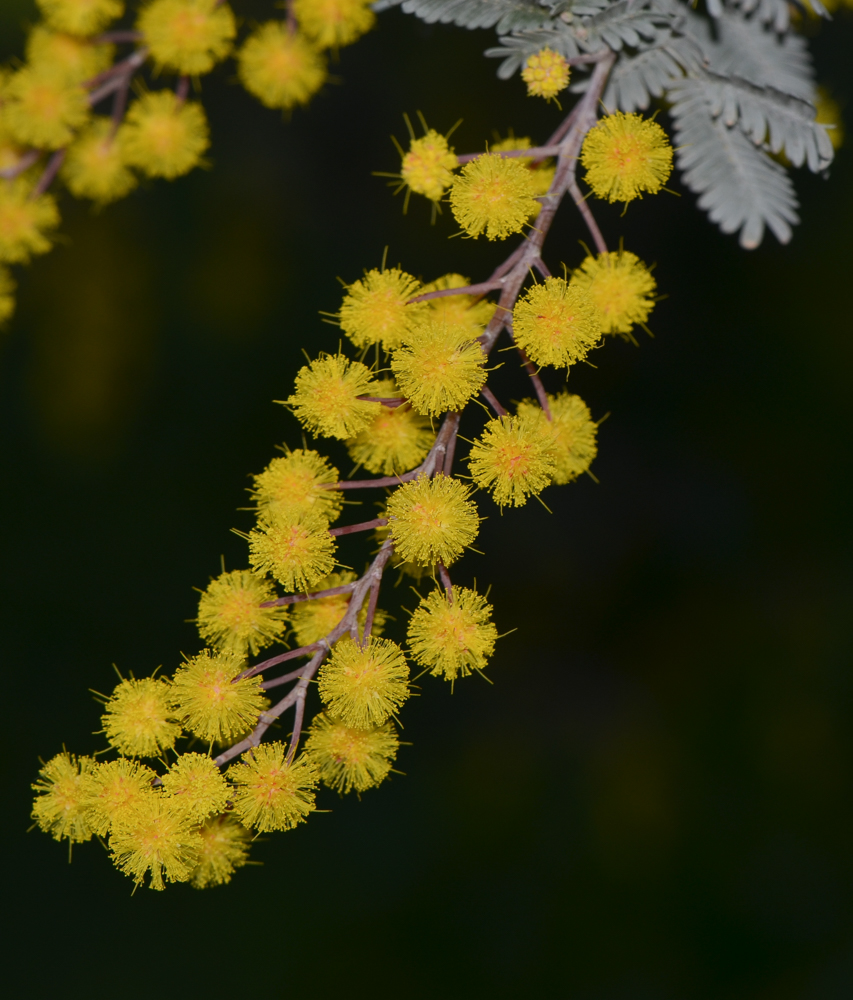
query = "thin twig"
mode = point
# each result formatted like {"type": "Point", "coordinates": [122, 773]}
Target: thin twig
{"type": "Point", "coordinates": [492, 400]}
{"type": "Point", "coordinates": [49, 173]}
{"type": "Point", "coordinates": [345, 588]}
{"type": "Point", "coordinates": [478, 289]}
{"type": "Point", "coordinates": [350, 529]}
{"type": "Point", "coordinates": [274, 661]}
{"type": "Point", "coordinates": [390, 401]}
{"type": "Point", "coordinates": [588, 218]}
{"type": "Point", "coordinates": [533, 152]}
{"type": "Point", "coordinates": [25, 162]}
{"type": "Point", "coordinates": [530, 368]}
{"type": "Point", "coordinates": [444, 576]}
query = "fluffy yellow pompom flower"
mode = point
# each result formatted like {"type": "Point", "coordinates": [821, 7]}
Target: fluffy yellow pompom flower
{"type": "Point", "coordinates": [374, 308]}
{"type": "Point", "coordinates": [197, 785]}
{"type": "Point", "coordinates": [60, 807]}
{"type": "Point", "coordinates": [428, 165]}
{"type": "Point", "coordinates": [314, 620]}
{"type": "Point", "coordinates": [224, 848]}
{"type": "Point", "coordinates": [542, 172]}
{"type": "Point", "coordinates": [114, 790]}
{"type": "Point", "coordinates": [80, 17]}
{"type": "Point", "coordinates": [513, 459]}
{"type": "Point", "coordinates": [556, 323]}
{"type": "Point", "coordinates": [271, 793]}
{"type": "Point", "coordinates": [43, 108]}
{"type": "Point", "coordinates": [493, 194]}
{"type": "Point", "coordinates": [621, 287]}
{"type": "Point", "coordinates": [138, 719]}
{"type": "Point", "coordinates": [397, 439]}
{"type": "Point", "coordinates": [279, 68]}
{"type": "Point", "coordinates": [212, 703]}
{"type": "Point", "coordinates": [298, 483]}
{"type": "Point", "coordinates": [573, 433]}
{"type": "Point", "coordinates": [351, 759]}
{"type": "Point", "coordinates": [77, 59]}
{"type": "Point", "coordinates": [95, 167]}
{"type": "Point", "coordinates": [326, 397]}
{"type": "Point", "coordinates": [7, 294]}
{"type": "Point", "coordinates": [432, 520]}
{"type": "Point", "coordinates": [163, 136]}
{"type": "Point", "coordinates": [463, 312]}
{"type": "Point", "coordinates": [546, 73]}
{"type": "Point", "coordinates": [157, 836]}
{"type": "Point", "coordinates": [230, 616]}
{"type": "Point", "coordinates": [334, 23]}
{"type": "Point", "coordinates": [24, 221]}
{"type": "Point", "coordinates": [452, 637]}
{"type": "Point", "coordinates": [297, 551]}
{"type": "Point", "coordinates": [439, 368]}
{"type": "Point", "coordinates": [187, 36]}
{"type": "Point", "coordinates": [364, 685]}
{"type": "Point", "coordinates": [624, 156]}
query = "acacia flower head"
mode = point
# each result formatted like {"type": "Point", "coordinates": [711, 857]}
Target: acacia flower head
{"type": "Point", "coordinates": [621, 286]}
{"type": "Point", "coordinates": [463, 312]}
{"type": "Point", "coordinates": [224, 848]}
{"type": "Point", "coordinates": [493, 194]}
{"type": "Point", "coordinates": [197, 783]}
{"type": "Point", "coordinates": [556, 323]}
{"type": "Point", "coordinates": [297, 551]}
{"type": "Point", "coordinates": [212, 702]}
{"type": "Point", "coordinates": [77, 59]}
{"type": "Point", "coordinates": [43, 107]}
{"type": "Point", "coordinates": [272, 793]}
{"type": "Point", "coordinates": [334, 23]}
{"type": "Point", "coordinates": [541, 171]}
{"type": "Point", "coordinates": [350, 759]}
{"type": "Point", "coordinates": [375, 308]}
{"type": "Point", "coordinates": [156, 836]}
{"type": "Point", "coordinates": [80, 17]}
{"type": "Point", "coordinates": [114, 790]}
{"type": "Point", "coordinates": [397, 439]}
{"type": "Point", "coordinates": [138, 718]}
{"type": "Point", "coordinates": [280, 68]}
{"type": "Point", "coordinates": [546, 73]}
{"type": "Point", "coordinates": [162, 136]}
{"type": "Point", "coordinates": [187, 36]}
{"type": "Point", "coordinates": [428, 165]}
{"type": "Point", "coordinates": [230, 615]}
{"type": "Point", "coordinates": [513, 459]}
{"type": "Point", "coordinates": [439, 368]}
{"type": "Point", "coordinates": [95, 167]}
{"type": "Point", "coordinates": [326, 398]}
{"type": "Point", "coordinates": [452, 637]}
{"type": "Point", "coordinates": [625, 155]}
{"type": "Point", "coordinates": [25, 221]}
{"type": "Point", "coordinates": [60, 806]}
{"type": "Point", "coordinates": [432, 520]}
{"type": "Point", "coordinates": [362, 685]}
{"type": "Point", "coordinates": [7, 294]}
{"type": "Point", "coordinates": [573, 433]}
{"type": "Point", "coordinates": [298, 483]}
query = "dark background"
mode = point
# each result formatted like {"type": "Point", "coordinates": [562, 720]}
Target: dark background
{"type": "Point", "coordinates": [653, 800]}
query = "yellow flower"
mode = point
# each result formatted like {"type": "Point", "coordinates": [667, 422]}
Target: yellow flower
{"type": "Point", "coordinates": [95, 167]}
{"type": "Point", "coordinates": [43, 108]}
{"type": "Point", "coordinates": [298, 483]}
{"type": "Point", "coordinates": [24, 221]}
{"type": "Point", "coordinates": [279, 68]}
{"type": "Point", "coordinates": [556, 323]}
{"type": "Point", "coordinates": [230, 616]}
{"type": "Point", "coordinates": [114, 790]}
{"type": "Point", "coordinates": [314, 620]}
{"type": "Point", "coordinates": [334, 23]}
{"type": "Point", "coordinates": [163, 136]}
{"type": "Point", "coordinates": [7, 294]}
{"type": "Point", "coordinates": [573, 433]}
{"type": "Point", "coordinates": [364, 685]}
{"type": "Point", "coordinates": [432, 520]}
{"type": "Point", "coordinates": [326, 397]}
{"type": "Point", "coordinates": [197, 783]}
{"type": "Point", "coordinates": [397, 439]}
{"type": "Point", "coordinates": [60, 804]}
{"type": "Point", "coordinates": [428, 165]}
{"type": "Point", "coordinates": [621, 287]}
{"type": "Point", "coordinates": [212, 703]}
{"type": "Point", "coordinates": [351, 759]}
{"type": "Point", "coordinates": [80, 17]}
{"type": "Point", "coordinates": [542, 172]}
{"type": "Point", "coordinates": [297, 551]}
{"type": "Point", "coordinates": [452, 637]}
{"type": "Point", "coordinates": [77, 59]}
{"type": "Point", "coordinates": [624, 156]}
{"type": "Point", "coordinates": [513, 459]}
{"type": "Point", "coordinates": [375, 310]}
{"type": "Point", "coordinates": [138, 719]}
{"type": "Point", "coordinates": [224, 848]}
{"type": "Point", "coordinates": [187, 36]}
{"type": "Point", "coordinates": [271, 793]}
{"type": "Point", "coordinates": [546, 73]}
{"type": "Point", "coordinates": [493, 194]}
{"type": "Point", "coordinates": [466, 313]}
{"type": "Point", "coordinates": [156, 836]}
{"type": "Point", "coordinates": [439, 368]}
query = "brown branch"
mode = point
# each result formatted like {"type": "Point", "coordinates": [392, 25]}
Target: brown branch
{"type": "Point", "coordinates": [444, 576]}
{"type": "Point", "coordinates": [532, 152]}
{"type": "Point", "coordinates": [115, 77]}
{"type": "Point", "coordinates": [390, 401]}
{"type": "Point", "coordinates": [530, 368]}
{"type": "Point", "coordinates": [366, 484]}
{"type": "Point", "coordinates": [479, 289]}
{"type": "Point", "coordinates": [49, 173]}
{"type": "Point", "coordinates": [350, 529]}
{"type": "Point", "coordinates": [492, 400]}
{"type": "Point", "coordinates": [274, 661]}
{"type": "Point", "coordinates": [588, 218]}
{"type": "Point", "coordinates": [371, 608]}
{"type": "Point", "coordinates": [117, 37]}
{"type": "Point", "coordinates": [26, 161]}
{"type": "Point", "coordinates": [345, 588]}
